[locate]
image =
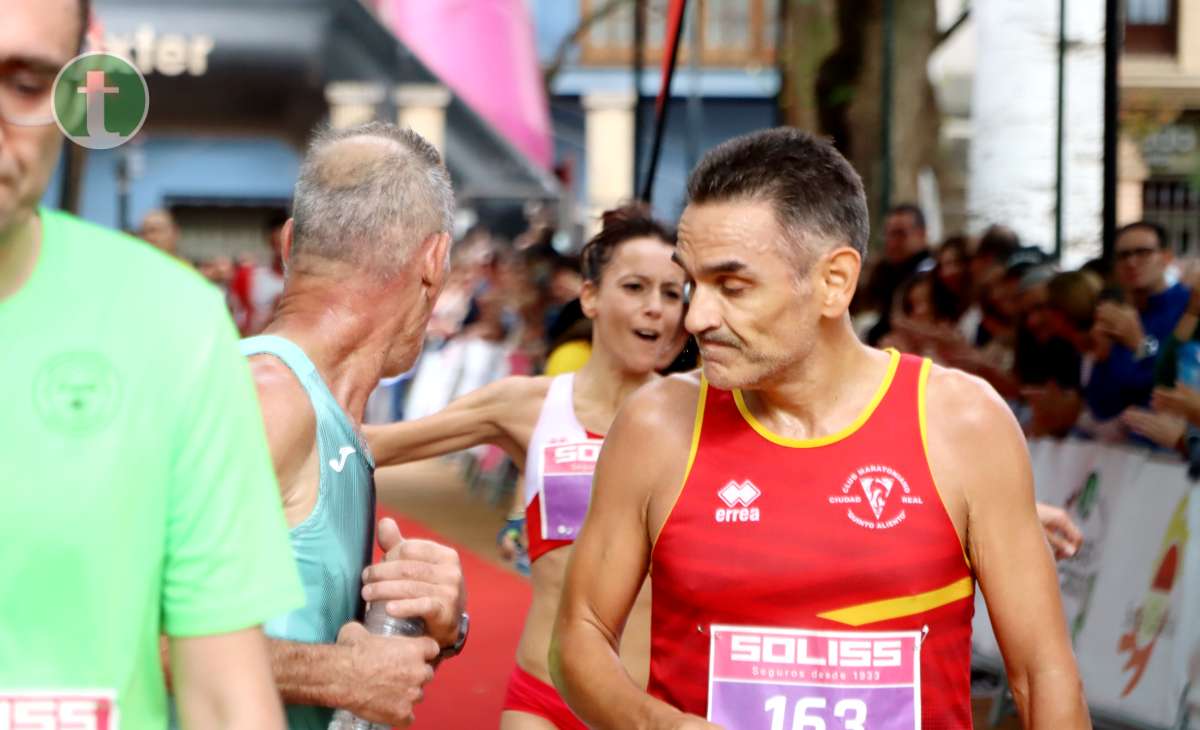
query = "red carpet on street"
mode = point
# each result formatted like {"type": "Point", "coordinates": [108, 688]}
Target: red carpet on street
{"type": "Point", "coordinates": [467, 692]}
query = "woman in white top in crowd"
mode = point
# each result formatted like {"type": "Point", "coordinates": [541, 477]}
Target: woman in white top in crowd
{"type": "Point", "coordinates": [552, 428]}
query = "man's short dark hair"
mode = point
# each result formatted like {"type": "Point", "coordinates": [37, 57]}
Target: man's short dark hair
{"type": "Point", "coordinates": [85, 17]}
{"type": "Point", "coordinates": [1160, 233]}
{"type": "Point", "coordinates": [811, 186]}
{"type": "Point", "coordinates": [913, 210]}
{"type": "Point", "coordinates": [998, 243]}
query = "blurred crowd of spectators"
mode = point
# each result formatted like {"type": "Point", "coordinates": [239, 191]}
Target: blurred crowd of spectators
{"type": "Point", "coordinates": [1106, 351]}
{"type": "Point", "coordinates": [1109, 351]}
{"type": "Point", "coordinates": [252, 281]}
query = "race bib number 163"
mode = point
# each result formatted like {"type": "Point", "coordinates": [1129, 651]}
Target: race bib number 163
{"type": "Point", "coordinates": [793, 679]}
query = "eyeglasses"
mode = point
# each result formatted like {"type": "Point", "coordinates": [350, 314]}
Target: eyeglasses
{"type": "Point", "coordinates": [26, 94]}
{"type": "Point", "coordinates": [1140, 253]}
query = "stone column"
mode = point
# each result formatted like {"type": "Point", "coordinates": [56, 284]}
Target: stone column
{"type": "Point", "coordinates": [353, 102]}
{"type": "Point", "coordinates": [1132, 172]}
{"type": "Point", "coordinates": [1188, 51]}
{"type": "Point", "coordinates": [422, 108]}
{"type": "Point", "coordinates": [608, 129]}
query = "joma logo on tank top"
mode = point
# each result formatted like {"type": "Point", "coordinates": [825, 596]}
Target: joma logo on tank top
{"type": "Point", "coordinates": [876, 497]}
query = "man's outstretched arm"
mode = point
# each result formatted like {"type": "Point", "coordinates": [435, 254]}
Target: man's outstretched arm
{"type": "Point", "coordinates": [609, 563]}
{"type": "Point", "coordinates": [977, 449]}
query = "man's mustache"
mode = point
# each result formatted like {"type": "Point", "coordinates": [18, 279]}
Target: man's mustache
{"type": "Point", "coordinates": [718, 339]}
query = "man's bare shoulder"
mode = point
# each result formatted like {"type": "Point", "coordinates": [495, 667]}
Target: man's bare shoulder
{"type": "Point", "coordinates": [972, 436]}
{"type": "Point", "coordinates": [960, 403]}
{"type": "Point", "coordinates": [276, 384]}
{"type": "Point", "coordinates": [287, 412]}
{"type": "Point", "coordinates": [665, 407]}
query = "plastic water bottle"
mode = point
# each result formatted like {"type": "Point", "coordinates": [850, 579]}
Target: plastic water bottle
{"type": "Point", "coordinates": [377, 622]}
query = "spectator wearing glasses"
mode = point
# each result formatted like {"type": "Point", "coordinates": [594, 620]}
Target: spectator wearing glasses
{"type": "Point", "coordinates": [1131, 322]}
{"type": "Point", "coordinates": [1173, 421]}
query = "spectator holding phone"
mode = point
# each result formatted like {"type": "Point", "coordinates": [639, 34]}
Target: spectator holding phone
{"type": "Point", "coordinates": [1128, 332]}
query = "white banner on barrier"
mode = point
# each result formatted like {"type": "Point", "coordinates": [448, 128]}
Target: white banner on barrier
{"type": "Point", "coordinates": [1188, 658]}
{"type": "Point", "coordinates": [1123, 595]}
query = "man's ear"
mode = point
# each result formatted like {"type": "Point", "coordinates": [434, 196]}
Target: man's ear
{"type": "Point", "coordinates": [285, 241]}
{"type": "Point", "coordinates": [839, 273]}
{"type": "Point", "coordinates": [435, 260]}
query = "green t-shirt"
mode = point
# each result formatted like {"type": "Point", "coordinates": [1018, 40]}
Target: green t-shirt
{"type": "Point", "coordinates": [137, 495]}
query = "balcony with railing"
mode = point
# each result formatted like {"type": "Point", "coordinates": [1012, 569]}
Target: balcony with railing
{"type": "Point", "coordinates": [1161, 60]}
{"type": "Point", "coordinates": [728, 33]}
{"type": "Point", "coordinates": [1151, 27]}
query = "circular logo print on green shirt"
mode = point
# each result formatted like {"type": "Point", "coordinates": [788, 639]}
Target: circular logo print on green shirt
{"type": "Point", "coordinates": [100, 100]}
{"type": "Point", "coordinates": [77, 392]}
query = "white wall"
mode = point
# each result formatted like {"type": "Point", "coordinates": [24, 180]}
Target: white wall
{"type": "Point", "coordinates": [1013, 107]}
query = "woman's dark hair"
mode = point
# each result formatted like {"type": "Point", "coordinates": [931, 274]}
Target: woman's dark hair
{"type": "Point", "coordinates": [903, 298]}
{"type": "Point", "coordinates": [998, 242]}
{"type": "Point", "coordinates": [950, 304]}
{"type": "Point", "coordinates": [616, 227]}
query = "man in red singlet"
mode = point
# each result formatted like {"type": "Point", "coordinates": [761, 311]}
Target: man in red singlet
{"type": "Point", "coordinates": [814, 513]}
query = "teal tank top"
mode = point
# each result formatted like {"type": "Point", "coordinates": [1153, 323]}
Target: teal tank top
{"type": "Point", "coordinates": [334, 544]}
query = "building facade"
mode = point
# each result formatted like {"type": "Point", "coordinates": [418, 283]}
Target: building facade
{"type": "Point", "coordinates": [996, 79]}
{"type": "Point", "coordinates": [236, 88]}
{"type": "Point", "coordinates": [726, 84]}
{"type": "Point", "coordinates": [1159, 169]}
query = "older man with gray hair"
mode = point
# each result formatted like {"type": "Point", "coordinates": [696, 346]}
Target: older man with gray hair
{"type": "Point", "coordinates": [366, 257]}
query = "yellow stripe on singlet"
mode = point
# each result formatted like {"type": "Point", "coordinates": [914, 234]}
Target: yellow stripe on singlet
{"type": "Point", "coordinates": [890, 608]}
{"type": "Point", "coordinates": [793, 443]}
{"type": "Point", "coordinates": [923, 420]}
{"type": "Point", "coordinates": [697, 424]}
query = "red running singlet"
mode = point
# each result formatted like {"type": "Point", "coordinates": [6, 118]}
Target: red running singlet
{"type": "Point", "coordinates": [819, 545]}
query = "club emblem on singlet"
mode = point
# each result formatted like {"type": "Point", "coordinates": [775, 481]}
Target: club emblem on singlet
{"type": "Point", "coordinates": [876, 497]}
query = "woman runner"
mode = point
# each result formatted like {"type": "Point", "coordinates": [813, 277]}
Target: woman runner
{"type": "Point", "coordinates": [552, 428]}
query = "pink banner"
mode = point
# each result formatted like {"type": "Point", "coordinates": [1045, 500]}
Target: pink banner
{"type": "Point", "coordinates": [485, 51]}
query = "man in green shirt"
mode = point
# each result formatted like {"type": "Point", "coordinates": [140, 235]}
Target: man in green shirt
{"type": "Point", "coordinates": [138, 493]}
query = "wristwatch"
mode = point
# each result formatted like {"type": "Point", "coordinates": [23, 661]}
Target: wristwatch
{"type": "Point", "coordinates": [464, 627]}
{"type": "Point", "coordinates": [1148, 347]}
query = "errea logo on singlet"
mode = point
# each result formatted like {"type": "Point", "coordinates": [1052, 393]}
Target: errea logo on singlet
{"type": "Point", "coordinates": [737, 498]}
